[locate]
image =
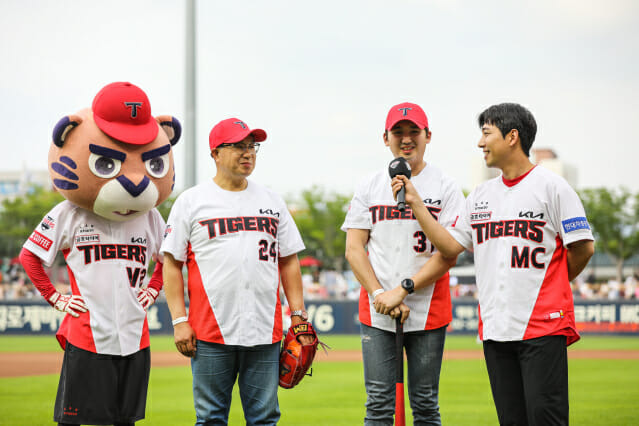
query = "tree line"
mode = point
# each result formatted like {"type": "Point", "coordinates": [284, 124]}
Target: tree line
{"type": "Point", "coordinates": [613, 215]}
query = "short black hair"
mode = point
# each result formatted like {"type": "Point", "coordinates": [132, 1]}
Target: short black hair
{"type": "Point", "coordinates": [508, 116]}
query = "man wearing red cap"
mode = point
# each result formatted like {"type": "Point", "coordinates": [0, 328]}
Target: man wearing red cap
{"type": "Point", "coordinates": [237, 239]}
{"type": "Point", "coordinates": [386, 247]}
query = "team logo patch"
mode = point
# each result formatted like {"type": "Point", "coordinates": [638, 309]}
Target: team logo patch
{"type": "Point", "coordinates": [40, 240]}
{"type": "Point", "coordinates": [479, 216]}
{"type": "Point", "coordinates": [86, 239]}
{"type": "Point", "coordinates": [167, 230]}
{"type": "Point", "coordinates": [47, 223]}
{"type": "Point", "coordinates": [575, 223]}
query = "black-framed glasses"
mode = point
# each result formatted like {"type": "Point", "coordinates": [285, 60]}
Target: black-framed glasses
{"type": "Point", "coordinates": [241, 147]}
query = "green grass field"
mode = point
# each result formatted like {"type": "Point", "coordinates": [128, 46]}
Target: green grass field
{"type": "Point", "coordinates": [601, 391]}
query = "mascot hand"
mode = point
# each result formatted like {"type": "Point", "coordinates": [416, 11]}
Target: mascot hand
{"type": "Point", "coordinates": [71, 304]}
{"type": "Point", "coordinates": [147, 297]}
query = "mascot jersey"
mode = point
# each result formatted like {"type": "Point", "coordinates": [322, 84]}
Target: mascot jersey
{"type": "Point", "coordinates": [519, 230]}
{"type": "Point", "coordinates": [398, 248]}
{"type": "Point", "coordinates": [107, 263]}
{"type": "Point", "coordinates": [231, 243]}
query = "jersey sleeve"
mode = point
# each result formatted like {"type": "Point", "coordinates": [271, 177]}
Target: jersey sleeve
{"type": "Point", "coordinates": [358, 215]}
{"type": "Point", "coordinates": [158, 228]}
{"type": "Point", "coordinates": [568, 214]}
{"type": "Point", "coordinates": [461, 230]}
{"type": "Point", "coordinates": [454, 204]}
{"type": "Point", "coordinates": [288, 236]}
{"type": "Point", "coordinates": [51, 234]}
{"type": "Point", "coordinates": [178, 230]}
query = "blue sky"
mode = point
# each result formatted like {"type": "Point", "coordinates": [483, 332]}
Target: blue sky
{"type": "Point", "coordinates": [320, 77]}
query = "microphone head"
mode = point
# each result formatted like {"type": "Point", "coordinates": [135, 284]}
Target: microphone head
{"type": "Point", "coordinates": [399, 166]}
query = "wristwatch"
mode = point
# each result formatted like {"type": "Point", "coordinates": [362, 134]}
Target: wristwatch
{"type": "Point", "coordinates": [408, 285]}
{"type": "Point", "coordinates": [300, 313]}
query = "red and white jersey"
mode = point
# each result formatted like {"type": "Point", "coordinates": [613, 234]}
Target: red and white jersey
{"type": "Point", "coordinates": [107, 262]}
{"type": "Point", "coordinates": [398, 248]}
{"type": "Point", "coordinates": [231, 243]}
{"type": "Point", "coordinates": [519, 231]}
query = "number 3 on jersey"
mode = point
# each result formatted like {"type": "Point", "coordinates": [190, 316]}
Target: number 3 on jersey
{"type": "Point", "coordinates": [264, 252]}
{"type": "Point", "coordinates": [422, 243]}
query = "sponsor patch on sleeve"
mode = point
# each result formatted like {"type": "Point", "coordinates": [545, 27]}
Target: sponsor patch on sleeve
{"type": "Point", "coordinates": [40, 240]}
{"type": "Point", "coordinates": [575, 223]}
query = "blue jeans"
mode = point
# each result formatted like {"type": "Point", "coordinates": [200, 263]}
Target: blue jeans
{"type": "Point", "coordinates": [424, 351]}
{"type": "Point", "coordinates": [215, 368]}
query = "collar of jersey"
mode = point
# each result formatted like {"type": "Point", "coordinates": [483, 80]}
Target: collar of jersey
{"type": "Point", "coordinates": [512, 182]}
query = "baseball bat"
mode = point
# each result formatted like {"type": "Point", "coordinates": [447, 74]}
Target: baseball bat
{"type": "Point", "coordinates": [400, 415]}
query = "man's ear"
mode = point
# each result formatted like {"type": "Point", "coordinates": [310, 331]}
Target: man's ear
{"type": "Point", "coordinates": [171, 127]}
{"type": "Point", "coordinates": [63, 127]}
{"type": "Point", "coordinates": [385, 137]}
{"type": "Point", "coordinates": [513, 137]}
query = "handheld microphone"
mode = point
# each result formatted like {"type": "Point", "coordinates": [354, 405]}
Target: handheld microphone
{"type": "Point", "coordinates": [399, 166]}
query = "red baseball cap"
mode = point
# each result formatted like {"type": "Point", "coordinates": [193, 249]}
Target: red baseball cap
{"type": "Point", "coordinates": [123, 111]}
{"type": "Point", "coordinates": [406, 111]}
{"type": "Point", "coordinates": [233, 130]}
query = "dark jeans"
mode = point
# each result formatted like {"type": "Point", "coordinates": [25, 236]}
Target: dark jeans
{"type": "Point", "coordinates": [424, 351]}
{"type": "Point", "coordinates": [215, 369]}
{"type": "Point", "coordinates": [529, 380]}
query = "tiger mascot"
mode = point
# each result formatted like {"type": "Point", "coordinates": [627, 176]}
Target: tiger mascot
{"type": "Point", "coordinates": [113, 163]}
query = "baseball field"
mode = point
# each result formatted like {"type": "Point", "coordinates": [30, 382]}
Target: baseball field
{"type": "Point", "coordinates": [604, 384]}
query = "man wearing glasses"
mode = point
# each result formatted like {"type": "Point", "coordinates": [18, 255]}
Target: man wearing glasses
{"type": "Point", "coordinates": [237, 239]}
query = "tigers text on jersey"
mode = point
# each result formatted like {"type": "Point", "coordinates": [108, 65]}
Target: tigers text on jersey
{"type": "Point", "coordinates": [398, 248]}
{"type": "Point", "coordinates": [231, 243]}
{"type": "Point", "coordinates": [107, 263]}
{"type": "Point", "coordinates": [519, 231]}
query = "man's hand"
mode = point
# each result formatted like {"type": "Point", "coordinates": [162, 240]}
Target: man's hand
{"type": "Point", "coordinates": [303, 339]}
{"type": "Point", "coordinates": [386, 301]}
{"type": "Point", "coordinates": [147, 297]}
{"type": "Point", "coordinates": [412, 196]}
{"type": "Point", "coordinates": [71, 304]}
{"type": "Point", "coordinates": [402, 311]}
{"type": "Point", "coordinates": [185, 340]}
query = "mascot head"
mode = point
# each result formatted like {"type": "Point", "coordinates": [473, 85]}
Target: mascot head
{"type": "Point", "coordinates": [115, 159]}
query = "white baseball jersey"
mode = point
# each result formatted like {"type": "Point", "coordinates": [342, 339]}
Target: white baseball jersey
{"type": "Point", "coordinates": [519, 231]}
{"type": "Point", "coordinates": [107, 263]}
{"type": "Point", "coordinates": [231, 243]}
{"type": "Point", "coordinates": [398, 248]}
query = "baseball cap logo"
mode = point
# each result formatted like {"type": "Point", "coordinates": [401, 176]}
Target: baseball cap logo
{"type": "Point", "coordinates": [404, 111]}
{"type": "Point", "coordinates": [134, 108]}
{"type": "Point", "coordinates": [241, 123]}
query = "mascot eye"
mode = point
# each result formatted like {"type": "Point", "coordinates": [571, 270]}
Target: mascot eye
{"type": "Point", "coordinates": [104, 167]}
{"type": "Point", "coordinates": [158, 167]}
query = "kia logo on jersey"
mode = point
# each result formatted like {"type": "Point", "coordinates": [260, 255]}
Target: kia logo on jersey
{"type": "Point", "coordinates": [531, 215]}
{"type": "Point", "coordinates": [432, 202]}
{"type": "Point", "coordinates": [269, 211]}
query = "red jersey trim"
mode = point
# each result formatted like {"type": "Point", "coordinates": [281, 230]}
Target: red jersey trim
{"type": "Point", "coordinates": [554, 312]}
{"type": "Point", "coordinates": [512, 182]}
{"type": "Point", "coordinates": [201, 316]}
{"type": "Point", "coordinates": [364, 308]}
{"type": "Point", "coordinates": [440, 312]}
{"type": "Point", "coordinates": [77, 331]}
{"type": "Point", "coordinates": [277, 320]}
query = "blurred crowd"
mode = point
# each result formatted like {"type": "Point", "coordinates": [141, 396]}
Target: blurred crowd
{"type": "Point", "coordinates": [15, 285]}
{"type": "Point", "coordinates": [321, 284]}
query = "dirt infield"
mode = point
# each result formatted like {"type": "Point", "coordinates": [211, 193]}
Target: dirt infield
{"type": "Point", "coordinates": [15, 364]}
